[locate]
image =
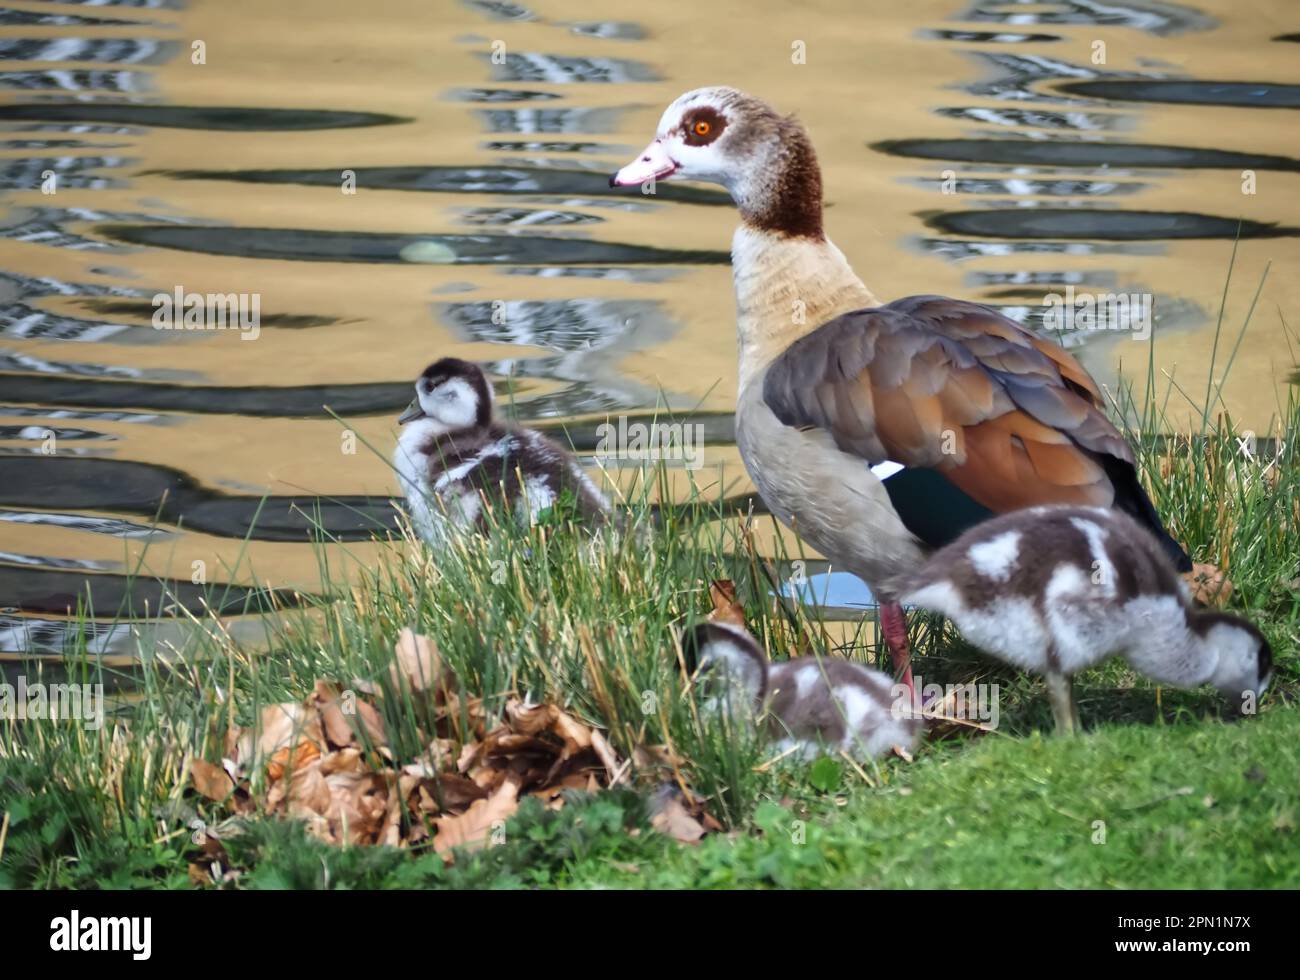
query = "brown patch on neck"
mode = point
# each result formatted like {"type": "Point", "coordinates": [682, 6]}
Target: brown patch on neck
{"type": "Point", "coordinates": [793, 204]}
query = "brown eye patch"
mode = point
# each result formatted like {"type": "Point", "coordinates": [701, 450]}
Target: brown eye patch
{"type": "Point", "coordinates": [702, 126]}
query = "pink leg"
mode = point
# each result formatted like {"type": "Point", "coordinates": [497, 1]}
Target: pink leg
{"type": "Point", "coordinates": [893, 623]}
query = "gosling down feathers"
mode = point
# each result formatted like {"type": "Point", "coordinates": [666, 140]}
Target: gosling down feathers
{"type": "Point", "coordinates": [454, 459]}
{"type": "Point", "coordinates": [1057, 589]}
{"type": "Point", "coordinates": [811, 704]}
{"type": "Point", "coordinates": [879, 432]}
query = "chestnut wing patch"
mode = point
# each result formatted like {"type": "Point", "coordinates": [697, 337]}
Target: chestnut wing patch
{"type": "Point", "coordinates": [1010, 419]}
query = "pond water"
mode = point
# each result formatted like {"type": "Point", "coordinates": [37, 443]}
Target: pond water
{"type": "Point", "coordinates": [400, 180]}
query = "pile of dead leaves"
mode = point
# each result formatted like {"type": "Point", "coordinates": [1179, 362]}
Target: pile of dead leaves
{"type": "Point", "coordinates": [327, 761]}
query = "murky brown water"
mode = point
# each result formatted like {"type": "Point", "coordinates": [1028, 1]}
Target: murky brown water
{"type": "Point", "coordinates": [482, 182]}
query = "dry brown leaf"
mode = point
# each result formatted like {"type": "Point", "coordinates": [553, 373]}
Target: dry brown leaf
{"type": "Point", "coordinates": [209, 780]}
{"type": "Point", "coordinates": [342, 808]}
{"type": "Point", "coordinates": [576, 735]}
{"type": "Point", "coordinates": [454, 791]}
{"type": "Point", "coordinates": [292, 759]}
{"type": "Point", "coordinates": [549, 719]}
{"type": "Point", "coordinates": [418, 667]}
{"type": "Point", "coordinates": [529, 719]}
{"type": "Point", "coordinates": [281, 725]}
{"type": "Point", "coordinates": [1209, 584]}
{"type": "Point", "coordinates": [471, 828]}
{"type": "Point", "coordinates": [343, 715]}
{"type": "Point", "coordinates": [303, 792]}
{"type": "Point", "coordinates": [670, 816]}
{"type": "Point", "coordinates": [468, 755]}
{"type": "Point", "coordinates": [432, 760]}
{"type": "Point", "coordinates": [726, 609]}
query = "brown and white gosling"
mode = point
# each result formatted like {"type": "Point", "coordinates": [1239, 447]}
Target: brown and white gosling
{"type": "Point", "coordinates": [1057, 589]}
{"type": "Point", "coordinates": [453, 456]}
{"type": "Point", "coordinates": [812, 704]}
{"type": "Point", "coordinates": [879, 431]}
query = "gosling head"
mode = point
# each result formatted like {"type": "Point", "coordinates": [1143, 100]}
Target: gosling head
{"type": "Point", "coordinates": [728, 663]}
{"type": "Point", "coordinates": [452, 394]}
{"type": "Point", "coordinates": [1245, 661]}
{"type": "Point", "coordinates": [723, 136]}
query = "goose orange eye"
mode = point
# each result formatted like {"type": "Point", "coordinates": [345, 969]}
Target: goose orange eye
{"type": "Point", "coordinates": [702, 128]}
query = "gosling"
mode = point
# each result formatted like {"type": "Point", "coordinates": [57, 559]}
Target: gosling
{"type": "Point", "coordinates": [1057, 589]}
{"type": "Point", "coordinates": [812, 704]}
{"type": "Point", "coordinates": [453, 456]}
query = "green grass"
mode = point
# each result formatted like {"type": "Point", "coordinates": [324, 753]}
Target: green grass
{"type": "Point", "coordinates": [1187, 799]}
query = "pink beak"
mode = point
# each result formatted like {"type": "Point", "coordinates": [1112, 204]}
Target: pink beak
{"type": "Point", "coordinates": [654, 163]}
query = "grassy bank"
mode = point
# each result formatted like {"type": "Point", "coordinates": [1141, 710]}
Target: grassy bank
{"type": "Point", "coordinates": [1160, 792]}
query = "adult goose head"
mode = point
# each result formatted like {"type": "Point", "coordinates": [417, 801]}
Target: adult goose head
{"type": "Point", "coordinates": [879, 431]}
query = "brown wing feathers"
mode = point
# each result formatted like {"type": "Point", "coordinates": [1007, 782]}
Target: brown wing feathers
{"type": "Point", "coordinates": [934, 382]}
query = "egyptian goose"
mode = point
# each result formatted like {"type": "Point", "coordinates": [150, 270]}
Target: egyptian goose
{"type": "Point", "coordinates": [879, 432]}
{"type": "Point", "coordinates": [811, 703]}
{"type": "Point", "coordinates": [1056, 589]}
{"type": "Point", "coordinates": [452, 457]}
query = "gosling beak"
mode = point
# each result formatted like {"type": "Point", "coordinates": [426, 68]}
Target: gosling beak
{"type": "Point", "coordinates": [413, 411]}
{"type": "Point", "coordinates": [654, 163]}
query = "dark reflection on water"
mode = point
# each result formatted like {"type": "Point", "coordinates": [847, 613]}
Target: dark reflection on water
{"type": "Point", "coordinates": [175, 498]}
{"type": "Point", "coordinates": [310, 401]}
{"type": "Point", "coordinates": [500, 95]}
{"type": "Point", "coordinates": [308, 245]}
{"type": "Point", "coordinates": [196, 117]}
{"type": "Point", "coordinates": [257, 400]}
{"type": "Point", "coordinates": [57, 592]}
{"type": "Point", "coordinates": [1258, 95]}
{"type": "Point", "coordinates": [1108, 225]}
{"type": "Point", "coordinates": [1045, 154]}
{"type": "Point", "coordinates": [987, 37]}
{"type": "Point", "coordinates": [145, 311]}
{"type": "Point", "coordinates": [461, 180]}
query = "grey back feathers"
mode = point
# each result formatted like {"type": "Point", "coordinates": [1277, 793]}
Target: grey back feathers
{"type": "Point", "coordinates": [454, 459]}
{"type": "Point", "coordinates": [1057, 589]}
{"type": "Point", "coordinates": [810, 703]}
